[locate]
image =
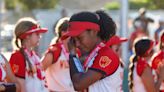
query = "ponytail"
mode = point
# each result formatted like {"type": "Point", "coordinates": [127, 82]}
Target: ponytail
{"type": "Point", "coordinates": [133, 59]}
{"type": "Point", "coordinates": [107, 25]}
{"type": "Point", "coordinates": [28, 61]}
{"type": "Point", "coordinates": [17, 42]}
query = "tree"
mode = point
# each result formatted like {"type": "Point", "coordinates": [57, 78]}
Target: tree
{"type": "Point", "coordinates": [137, 4]}
{"type": "Point", "coordinates": [149, 4]}
{"type": "Point", "coordinates": [158, 3]}
{"type": "Point", "coordinates": [31, 4]}
{"type": "Point", "coordinates": [10, 4]}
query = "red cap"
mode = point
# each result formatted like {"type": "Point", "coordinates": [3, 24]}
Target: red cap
{"type": "Point", "coordinates": [77, 27]}
{"type": "Point", "coordinates": [34, 29]}
{"type": "Point", "coordinates": [116, 40]}
{"type": "Point", "coordinates": [152, 44]}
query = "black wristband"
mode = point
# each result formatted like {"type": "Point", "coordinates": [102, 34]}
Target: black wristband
{"type": "Point", "coordinates": [75, 65]}
{"type": "Point", "coordinates": [10, 87]}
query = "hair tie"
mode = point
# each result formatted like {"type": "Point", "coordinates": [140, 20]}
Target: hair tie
{"type": "Point", "coordinates": [98, 17]}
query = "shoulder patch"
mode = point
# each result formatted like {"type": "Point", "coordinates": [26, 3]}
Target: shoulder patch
{"type": "Point", "coordinates": [104, 61]}
{"type": "Point", "coordinates": [15, 68]}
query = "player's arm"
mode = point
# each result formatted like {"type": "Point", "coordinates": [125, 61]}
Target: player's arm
{"type": "Point", "coordinates": [51, 56]}
{"type": "Point", "coordinates": [47, 60]}
{"type": "Point", "coordinates": [82, 80]}
{"type": "Point", "coordinates": [148, 81]}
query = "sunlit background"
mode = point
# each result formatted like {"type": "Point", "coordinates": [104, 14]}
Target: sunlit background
{"type": "Point", "coordinates": [47, 12]}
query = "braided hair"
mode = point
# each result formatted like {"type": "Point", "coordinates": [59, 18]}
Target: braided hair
{"type": "Point", "coordinates": [140, 48]}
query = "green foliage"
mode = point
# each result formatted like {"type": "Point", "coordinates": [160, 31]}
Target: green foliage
{"type": "Point", "coordinates": [112, 6]}
{"type": "Point", "coordinates": [159, 3]}
{"type": "Point", "coordinates": [31, 4]}
{"type": "Point", "coordinates": [35, 4]}
{"type": "Point", "coordinates": [10, 4]}
{"type": "Point", "coordinates": [149, 4]}
{"type": "Point", "coordinates": [137, 4]}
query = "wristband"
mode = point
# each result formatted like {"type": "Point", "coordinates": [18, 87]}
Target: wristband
{"type": "Point", "coordinates": [75, 65]}
{"type": "Point", "coordinates": [10, 87]}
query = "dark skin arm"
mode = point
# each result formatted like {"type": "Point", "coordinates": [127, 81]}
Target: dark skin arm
{"type": "Point", "coordinates": [81, 80]}
{"type": "Point", "coordinates": [84, 80]}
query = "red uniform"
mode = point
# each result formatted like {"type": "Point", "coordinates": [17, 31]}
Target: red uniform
{"type": "Point", "coordinates": [158, 58]}
{"type": "Point", "coordinates": [139, 67]}
{"type": "Point", "coordinates": [102, 59]}
{"type": "Point", "coordinates": [33, 82]}
{"type": "Point", "coordinates": [58, 74]}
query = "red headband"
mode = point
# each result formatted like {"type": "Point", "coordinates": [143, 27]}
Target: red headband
{"type": "Point", "coordinates": [78, 27]}
{"type": "Point", "coordinates": [150, 48]}
{"type": "Point", "coordinates": [34, 29]}
{"type": "Point", "coordinates": [74, 26]}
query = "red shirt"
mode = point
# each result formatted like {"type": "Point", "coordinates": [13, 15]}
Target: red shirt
{"type": "Point", "coordinates": [17, 63]}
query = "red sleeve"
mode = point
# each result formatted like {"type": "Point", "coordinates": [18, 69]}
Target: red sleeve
{"type": "Point", "coordinates": [141, 65]}
{"type": "Point", "coordinates": [17, 63]}
{"type": "Point", "coordinates": [55, 50]}
{"type": "Point", "coordinates": [106, 62]}
{"type": "Point", "coordinates": [0, 74]}
{"type": "Point", "coordinates": [155, 63]}
{"type": "Point", "coordinates": [157, 59]}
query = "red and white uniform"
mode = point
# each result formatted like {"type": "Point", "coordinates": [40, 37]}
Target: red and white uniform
{"type": "Point", "coordinates": [139, 67]}
{"type": "Point", "coordinates": [35, 82]}
{"type": "Point", "coordinates": [2, 71]}
{"type": "Point", "coordinates": [58, 74]}
{"type": "Point", "coordinates": [157, 59]}
{"type": "Point", "coordinates": [102, 59]}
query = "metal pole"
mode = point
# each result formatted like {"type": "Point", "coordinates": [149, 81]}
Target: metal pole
{"type": "Point", "coordinates": [1, 2]}
{"type": "Point", "coordinates": [2, 7]}
{"type": "Point", "coordinates": [124, 29]}
{"type": "Point", "coordinates": [124, 33]}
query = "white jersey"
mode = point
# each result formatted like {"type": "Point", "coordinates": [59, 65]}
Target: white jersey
{"type": "Point", "coordinates": [58, 75]}
{"type": "Point", "coordinates": [112, 83]}
{"type": "Point", "coordinates": [33, 83]}
{"type": "Point", "coordinates": [137, 82]}
{"type": "Point", "coordinates": [34, 77]}
{"type": "Point", "coordinates": [103, 58]}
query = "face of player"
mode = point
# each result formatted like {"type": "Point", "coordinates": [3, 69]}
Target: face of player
{"type": "Point", "coordinates": [34, 39]}
{"type": "Point", "coordinates": [86, 41]}
{"type": "Point", "coordinates": [116, 49]}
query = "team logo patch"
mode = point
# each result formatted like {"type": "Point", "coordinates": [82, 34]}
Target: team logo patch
{"type": "Point", "coordinates": [15, 68]}
{"type": "Point", "coordinates": [104, 61]}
